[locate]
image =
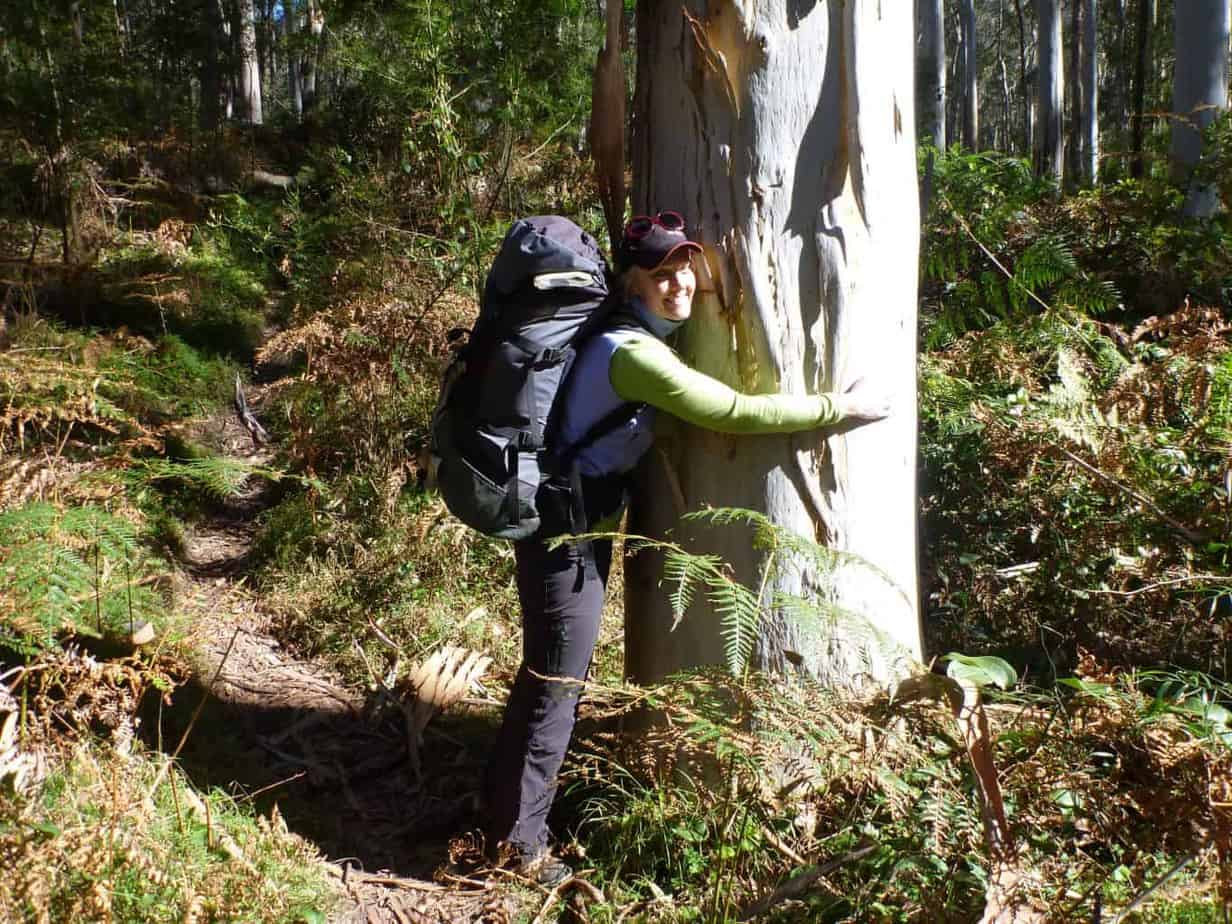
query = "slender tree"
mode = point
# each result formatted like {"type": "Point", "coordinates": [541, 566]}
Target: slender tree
{"type": "Point", "coordinates": [1142, 69]}
{"type": "Point", "coordinates": [970, 76]}
{"type": "Point", "coordinates": [314, 26]}
{"type": "Point", "coordinates": [213, 75]}
{"type": "Point", "coordinates": [789, 138]}
{"type": "Point", "coordinates": [1073, 81]}
{"type": "Point", "coordinates": [1050, 150]}
{"type": "Point", "coordinates": [1199, 93]}
{"type": "Point", "coordinates": [294, 86]}
{"type": "Point", "coordinates": [1024, 79]}
{"type": "Point", "coordinates": [930, 79]}
{"type": "Point", "coordinates": [1118, 74]}
{"type": "Point", "coordinates": [1089, 81]}
{"type": "Point", "coordinates": [248, 64]}
{"type": "Point", "coordinates": [607, 121]}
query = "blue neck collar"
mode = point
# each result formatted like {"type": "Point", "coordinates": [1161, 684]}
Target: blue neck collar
{"type": "Point", "coordinates": [660, 326]}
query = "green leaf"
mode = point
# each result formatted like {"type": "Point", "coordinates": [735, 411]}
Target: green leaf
{"type": "Point", "coordinates": [981, 670]}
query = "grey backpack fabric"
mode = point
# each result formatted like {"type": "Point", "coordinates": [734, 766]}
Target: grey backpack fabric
{"type": "Point", "coordinates": [492, 430]}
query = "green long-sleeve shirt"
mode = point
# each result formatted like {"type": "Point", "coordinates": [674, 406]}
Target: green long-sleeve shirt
{"type": "Point", "coordinates": [645, 369]}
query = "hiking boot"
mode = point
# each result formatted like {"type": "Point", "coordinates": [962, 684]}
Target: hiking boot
{"type": "Point", "coordinates": [544, 869]}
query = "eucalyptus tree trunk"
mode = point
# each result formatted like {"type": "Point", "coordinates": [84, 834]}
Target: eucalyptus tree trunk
{"type": "Point", "coordinates": [1119, 72]}
{"type": "Point", "coordinates": [1199, 93]}
{"type": "Point", "coordinates": [248, 65]}
{"type": "Point", "coordinates": [212, 75]}
{"type": "Point", "coordinates": [1027, 134]}
{"type": "Point", "coordinates": [314, 26]}
{"type": "Point", "coordinates": [786, 133]}
{"type": "Point", "coordinates": [1142, 68]}
{"type": "Point", "coordinates": [1007, 132]}
{"type": "Point", "coordinates": [971, 77]}
{"type": "Point", "coordinates": [1050, 151]}
{"type": "Point", "coordinates": [1073, 145]}
{"type": "Point", "coordinates": [1089, 74]}
{"type": "Point", "coordinates": [294, 88]}
{"type": "Point", "coordinates": [930, 79]}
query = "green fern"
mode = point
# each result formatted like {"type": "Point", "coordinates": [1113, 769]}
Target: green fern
{"type": "Point", "coordinates": [741, 610]}
{"type": "Point", "coordinates": [75, 571]}
{"type": "Point", "coordinates": [216, 476]}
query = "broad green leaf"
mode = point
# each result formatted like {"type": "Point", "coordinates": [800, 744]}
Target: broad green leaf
{"type": "Point", "coordinates": [981, 670]}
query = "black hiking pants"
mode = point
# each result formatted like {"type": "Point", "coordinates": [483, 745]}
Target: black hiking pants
{"type": "Point", "coordinates": [562, 599]}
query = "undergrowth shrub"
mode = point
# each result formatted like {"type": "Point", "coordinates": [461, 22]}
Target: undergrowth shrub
{"type": "Point", "coordinates": [74, 571]}
{"type": "Point", "coordinates": [1074, 491]}
{"type": "Point", "coordinates": [95, 828]}
{"type": "Point", "coordinates": [337, 580]}
{"type": "Point", "coordinates": [764, 795]}
{"type": "Point", "coordinates": [203, 290]}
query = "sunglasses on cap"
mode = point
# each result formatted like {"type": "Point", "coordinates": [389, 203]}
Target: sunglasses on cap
{"type": "Point", "coordinates": [641, 225]}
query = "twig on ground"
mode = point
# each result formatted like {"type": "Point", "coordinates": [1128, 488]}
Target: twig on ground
{"type": "Point", "coordinates": [1142, 897]}
{"type": "Point", "coordinates": [552, 899]}
{"type": "Point", "coordinates": [773, 840]}
{"type": "Point", "coordinates": [393, 882]}
{"type": "Point", "coordinates": [192, 722]}
{"type": "Point", "coordinates": [258, 433]}
{"type": "Point", "coordinates": [799, 884]}
{"type": "Point", "coordinates": [1136, 495]}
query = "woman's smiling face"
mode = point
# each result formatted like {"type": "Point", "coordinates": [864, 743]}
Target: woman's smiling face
{"type": "Point", "coordinates": [667, 290]}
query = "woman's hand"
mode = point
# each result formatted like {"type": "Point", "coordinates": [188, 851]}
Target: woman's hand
{"type": "Point", "coordinates": [861, 404]}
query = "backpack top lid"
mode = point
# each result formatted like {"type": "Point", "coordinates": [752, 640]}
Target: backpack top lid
{"type": "Point", "coordinates": [544, 244]}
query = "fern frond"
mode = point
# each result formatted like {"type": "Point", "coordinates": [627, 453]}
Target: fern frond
{"type": "Point", "coordinates": [217, 476]}
{"type": "Point", "coordinates": [740, 617]}
{"type": "Point", "coordinates": [80, 570]}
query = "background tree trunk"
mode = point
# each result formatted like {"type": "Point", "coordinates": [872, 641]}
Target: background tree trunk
{"type": "Point", "coordinates": [314, 25]}
{"type": "Point", "coordinates": [931, 74]}
{"type": "Point", "coordinates": [788, 138]}
{"type": "Point", "coordinates": [971, 77]}
{"type": "Point", "coordinates": [1073, 146]}
{"type": "Point", "coordinates": [1050, 153]}
{"type": "Point", "coordinates": [1090, 91]}
{"type": "Point", "coordinates": [248, 65]}
{"type": "Point", "coordinates": [1118, 75]}
{"type": "Point", "coordinates": [1142, 68]}
{"type": "Point", "coordinates": [294, 88]}
{"type": "Point", "coordinates": [607, 122]}
{"type": "Point", "coordinates": [1199, 93]}
{"type": "Point", "coordinates": [1024, 82]}
{"type": "Point", "coordinates": [213, 78]}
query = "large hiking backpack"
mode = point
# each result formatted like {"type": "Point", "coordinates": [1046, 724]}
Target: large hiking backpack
{"type": "Point", "coordinates": [492, 431]}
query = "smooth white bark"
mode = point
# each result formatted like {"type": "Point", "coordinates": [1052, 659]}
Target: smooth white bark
{"type": "Point", "coordinates": [1090, 91]}
{"type": "Point", "coordinates": [1050, 153]}
{"type": "Point", "coordinates": [786, 133]}
{"type": "Point", "coordinates": [1199, 91]}
{"type": "Point", "coordinates": [930, 79]}
{"type": "Point", "coordinates": [248, 64]}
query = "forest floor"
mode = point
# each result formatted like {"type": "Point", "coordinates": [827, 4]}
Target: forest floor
{"type": "Point", "coordinates": [335, 763]}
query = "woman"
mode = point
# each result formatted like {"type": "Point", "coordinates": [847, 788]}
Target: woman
{"type": "Point", "coordinates": [629, 367]}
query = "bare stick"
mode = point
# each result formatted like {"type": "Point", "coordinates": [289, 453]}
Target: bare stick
{"type": "Point", "coordinates": [797, 885]}
{"type": "Point", "coordinates": [192, 723]}
{"type": "Point", "coordinates": [1136, 495]}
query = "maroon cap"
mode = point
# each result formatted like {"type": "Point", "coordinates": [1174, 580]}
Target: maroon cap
{"type": "Point", "coordinates": [653, 247]}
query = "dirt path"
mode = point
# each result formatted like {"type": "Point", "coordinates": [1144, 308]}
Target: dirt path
{"type": "Point", "coordinates": [334, 762]}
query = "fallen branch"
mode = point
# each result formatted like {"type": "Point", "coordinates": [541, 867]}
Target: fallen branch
{"type": "Point", "coordinates": [1141, 498]}
{"type": "Point", "coordinates": [802, 882]}
{"type": "Point", "coordinates": [258, 433]}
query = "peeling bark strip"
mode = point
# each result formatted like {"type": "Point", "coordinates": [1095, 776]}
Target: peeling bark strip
{"type": "Point", "coordinates": [785, 132]}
